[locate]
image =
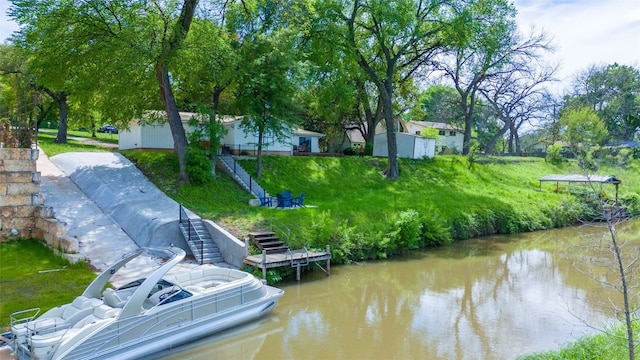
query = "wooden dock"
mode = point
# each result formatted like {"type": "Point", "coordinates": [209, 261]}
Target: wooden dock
{"type": "Point", "coordinates": [293, 258]}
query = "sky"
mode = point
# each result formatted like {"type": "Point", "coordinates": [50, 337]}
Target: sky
{"type": "Point", "coordinates": [584, 32]}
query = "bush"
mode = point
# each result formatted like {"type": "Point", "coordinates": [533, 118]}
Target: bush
{"type": "Point", "coordinates": [405, 231]}
{"type": "Point", "coordinates": [435, 230]}
{"type": "Point", "coordinates": [632, 203]}
{"type": "Point", "coordinates": [198, 166]}
{"type": "Point", "coordinates": [554, 154]}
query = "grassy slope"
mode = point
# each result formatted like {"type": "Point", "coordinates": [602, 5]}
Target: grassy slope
{"type": "Point", "coordinates": [349, 195]}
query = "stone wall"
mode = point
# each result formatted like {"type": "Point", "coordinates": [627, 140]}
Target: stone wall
{"type": "Point", "coordinates": [22, 214]}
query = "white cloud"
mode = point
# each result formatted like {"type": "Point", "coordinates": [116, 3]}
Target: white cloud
{"type": "Point", "coordinates": [7, 27]}
{"type": "Point", "coordinates": [585, 32]}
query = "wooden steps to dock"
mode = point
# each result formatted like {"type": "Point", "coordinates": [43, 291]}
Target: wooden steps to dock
{"type": "Point", "coordinates": [268, 241]}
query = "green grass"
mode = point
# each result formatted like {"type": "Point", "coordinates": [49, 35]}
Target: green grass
{"type": "Point", "coordinates": [354, 208]}
{"type": "Point", "coordinates": [45, 141]}
{"type": "Point", "coordinates": [609, 345]}
{"type": "Point", "coordinates": [25, 281]}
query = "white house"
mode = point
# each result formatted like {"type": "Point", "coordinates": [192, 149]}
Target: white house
{"type": "Point", "coordinates": [158, 136]}
{"type": "Point", "coordinates": [238, 141]}
{"type": "Point", "coordinates": [449, 137]}
{"type": "Point", "coordinates": [155, 135]}
{"type": "Point", "coordinates": [409, 146]}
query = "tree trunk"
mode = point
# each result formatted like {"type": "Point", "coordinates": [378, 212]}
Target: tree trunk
{"type": "Point", "coordinates": [61, 99]}
{"type": "Point", "coordinates": [173, 117]}
{"type": "Point", "coordinates": [491, 145]}
{"type": "Point", "coordinates": [259, 158]}
{"type": "Point", "coordinates": [392, 171]}
{"type": "Point", "coordinates": [170, 45]}
{"type": "Point", "coordinates": [466, 105]}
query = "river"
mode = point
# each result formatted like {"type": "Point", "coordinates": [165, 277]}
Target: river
{"type": "Point", "coordinates": [491, 298]}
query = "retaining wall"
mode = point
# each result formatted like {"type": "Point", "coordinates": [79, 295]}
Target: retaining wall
{"type": "Point", "coordinates": [22, 214]}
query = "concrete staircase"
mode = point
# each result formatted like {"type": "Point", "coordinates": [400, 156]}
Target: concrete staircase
{"type": "Point", "coordinates": [240, 175]}
{"type": "Point", "coordinates": [202, 246]}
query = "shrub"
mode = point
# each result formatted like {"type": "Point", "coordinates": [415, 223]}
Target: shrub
{"type": "Point", "coordinates": [405, 231]}
{"type": "Point", "coordinates": [554, 154]}
{"type": "Point", "coordinates": [631, 201]}
{"type": "Point", "coordinates": [435, 230]}
{"type": "Point", "coordinates": [198, 166]}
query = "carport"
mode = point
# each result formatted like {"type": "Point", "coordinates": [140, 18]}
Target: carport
{"type": "Point", "coordinates": [581, 178]}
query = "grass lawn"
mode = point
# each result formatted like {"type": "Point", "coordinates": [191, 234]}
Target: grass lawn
{"type": "Point", "coordinates": [31, 275]}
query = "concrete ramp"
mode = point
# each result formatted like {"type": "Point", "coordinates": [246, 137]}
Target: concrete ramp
{"type": "Point", "coordinates": [121, 191]}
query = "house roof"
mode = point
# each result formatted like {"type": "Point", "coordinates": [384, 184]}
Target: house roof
{"type": "Point", "coordinates": [435, 125]}
{"type": "Point", "coordinates": [303, 132]}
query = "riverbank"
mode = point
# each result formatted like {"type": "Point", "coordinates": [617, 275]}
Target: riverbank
{"type": "Point", "coordinates": [361, 215]}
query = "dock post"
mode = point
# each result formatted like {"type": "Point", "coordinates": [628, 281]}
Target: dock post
{"type": "Point", "coordinates": [328, 261]}
{"type": "Point", "coordinates": [298, 272]}
{"type": "Point", "coordinates": [264, 264]}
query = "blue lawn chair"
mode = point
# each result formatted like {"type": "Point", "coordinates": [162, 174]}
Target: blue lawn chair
{"type": "Point", "coordinates": [282, 201]}
{"type": "Point", "coordinates": [298, 201]}
{"type": "Point", "coordinates": [265, 200]}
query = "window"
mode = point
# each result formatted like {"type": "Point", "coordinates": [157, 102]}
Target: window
{"type": "Point", "coordinates": [452, 133]}
{"type": "Point", "coordinates": [441, 132]}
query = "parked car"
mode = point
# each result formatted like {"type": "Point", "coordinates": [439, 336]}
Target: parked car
{"type": "Point", "coordinates": [108, 129]}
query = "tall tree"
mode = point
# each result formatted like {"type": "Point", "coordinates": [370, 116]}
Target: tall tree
{"type": "Point", "coordinates": [517, 97]}
{"type": "Point", "coordinates": [52, 64]}
{"type": "Point", "coordinates": [614, 92]}
{"type": "Point", "coordinates": [268, 38]}
{"type": "Point", "coordinates": [486, 41]}
{"type": "Point", "coordinates": [389, 41]}
{"type": "Point", "coordinates": [439, 103]}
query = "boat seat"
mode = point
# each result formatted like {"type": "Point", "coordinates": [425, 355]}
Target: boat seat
{"type": "Point", "coordinates": [59, 318]}
{"type": "Point", "coordinates": [99, 313]}
{"type": "Point", "coordinates": [112, 298]}
{"type": "Point", "coordinates": [42, 343]}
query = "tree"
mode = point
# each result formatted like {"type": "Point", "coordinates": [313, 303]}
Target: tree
{"type": "Point", "coordinates": [268, 71]}
{"type": "Point", "coordinates": [583, 129]}
{"type": "Point", "coordinates": [107, 47]}
{"type": "Point", "coordinates": [486, 42]}
{"type": "Point", "coordinates": [389, 41]}
{"type": "Point", "coordinates": [440, 104]}
{"type": "Point", "coordinates": [614, 92]}
{"type": "Point", "coordinates": [516, 97]}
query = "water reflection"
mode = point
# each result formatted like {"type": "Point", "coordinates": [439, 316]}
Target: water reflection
{"type": "Point", "coordinates": [491, 298]}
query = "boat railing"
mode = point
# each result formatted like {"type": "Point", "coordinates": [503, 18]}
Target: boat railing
{"type": "Point", "coordinates": [19, 318]}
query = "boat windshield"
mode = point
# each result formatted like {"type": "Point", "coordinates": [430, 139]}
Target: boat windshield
{"type": "Point", "coordinates": [132, 284]}
{"type": "Point", "coordinates": [178, 295]}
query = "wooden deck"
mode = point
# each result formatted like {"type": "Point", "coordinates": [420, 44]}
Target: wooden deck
{"type": "Point", "coordinates": [293, 258]}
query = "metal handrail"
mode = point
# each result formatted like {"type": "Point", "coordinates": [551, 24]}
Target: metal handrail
{"type": "Point", "coordinates": [277, 226]}
{"type": "Point", "coordinates": [185, 220]}
{"type": "Point", "coordinates": [239, 172]}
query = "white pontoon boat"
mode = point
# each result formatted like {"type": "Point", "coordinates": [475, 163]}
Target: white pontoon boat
{"type": "Point", "coordinates": [144, 316]}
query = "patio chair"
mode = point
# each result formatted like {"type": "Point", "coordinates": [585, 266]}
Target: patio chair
{"type": "Point", "coordinates": [298, 201]}
{"type": "Point", "coordinates": [283, 202]}
{"type": "Point", "coordinates": [265, 200]}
